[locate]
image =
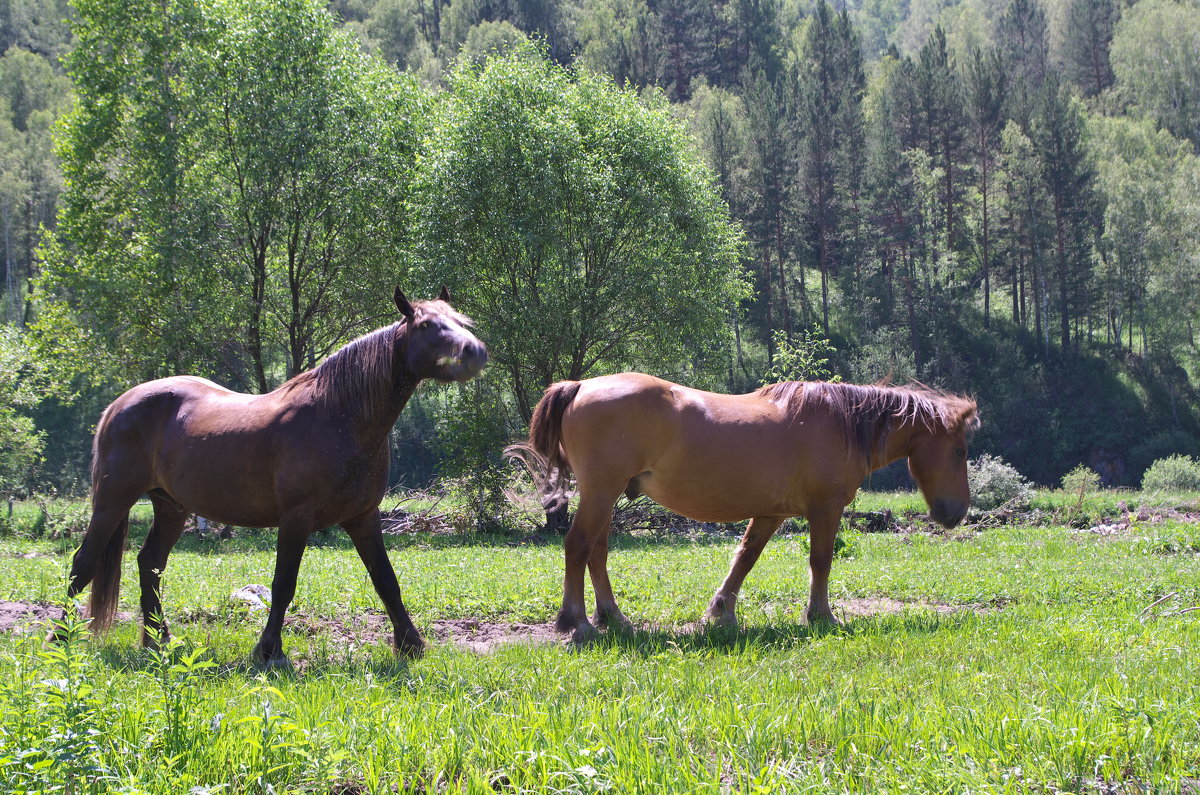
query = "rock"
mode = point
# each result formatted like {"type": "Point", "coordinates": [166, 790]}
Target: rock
{"type": "Point", "coordinates": [256, 597]}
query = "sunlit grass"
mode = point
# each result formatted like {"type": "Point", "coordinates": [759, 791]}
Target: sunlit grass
{"type": "Point", "coordinates": [1016, 658]}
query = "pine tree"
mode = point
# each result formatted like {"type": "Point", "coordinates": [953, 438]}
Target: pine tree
{"type": "Point", "coordinates": [831, 85]}
{"type": "Point", "coordinates": [1089, 36]}
{"type": "Point", "coordinates": [1022, 39]}
{"type": "Point", "coordinates": [1058, 135]}
{"type": "Point", "coordinates": [985, 88]}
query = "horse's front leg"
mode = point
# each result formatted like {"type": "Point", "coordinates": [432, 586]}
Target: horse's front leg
{"type": "Point", "coordinates": [591, 523]}
{"type": "Point", "coordinates": [822, 533]}
{"type": "Point", "coordinates": [293, 536]}
{"type": "Point", "coordinates": [367, 535]}
{"type": "Point", "coordinates": [721, 610]}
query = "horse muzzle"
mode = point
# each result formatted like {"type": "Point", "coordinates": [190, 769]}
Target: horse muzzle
{"type": "Point", "coordinates": [947, 513]}
{"type": "Point", "coordinates": [465, 366]}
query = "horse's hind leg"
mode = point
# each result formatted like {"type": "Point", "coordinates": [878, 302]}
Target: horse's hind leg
{"type": "Point", "coordinates": [758, 533]}
{"type": "Point", "coordinates": [169, 519]}
{"type": "Point", "coordinates": [367, 536]}
{"type": "Point", "coordinates": [591, 523]}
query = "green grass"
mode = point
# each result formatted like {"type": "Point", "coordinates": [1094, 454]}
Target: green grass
{"type": "Point", "coordinates": [1025, 660]}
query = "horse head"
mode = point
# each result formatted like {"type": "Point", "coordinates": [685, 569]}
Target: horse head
{"type": "Point", "coordinates": [438, 342]}
{"type": "Point", "coordinates": [938, 462]}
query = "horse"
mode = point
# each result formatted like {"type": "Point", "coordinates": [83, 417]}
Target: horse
{"type": "Point", "coordinates": [311, 454]}
{"type": "Point", "coordinates": [788, 449]}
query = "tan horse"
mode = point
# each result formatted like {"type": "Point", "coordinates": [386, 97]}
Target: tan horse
{"type": "Point", "coordinates": [790, 449]}
{"type": "Point", "coordinates": [313, 453]}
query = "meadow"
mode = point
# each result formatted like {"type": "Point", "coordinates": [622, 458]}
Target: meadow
{"type": "Point", "coordinates": [1051, 652]}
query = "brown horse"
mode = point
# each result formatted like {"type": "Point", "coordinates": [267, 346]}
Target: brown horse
{"type": "Point", "coordinates": [313, 453]}
{"type": "Point", "coordinates": [790, 449]}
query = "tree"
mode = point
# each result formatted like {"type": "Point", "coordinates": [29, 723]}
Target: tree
{"type": "Point", "coordinates": [1151, 231]}
{"type": "Point", "coordinates": [237, 175]}
{"type": "Point", "coordinates": [831, 88]}
{"type": "Point", "coordinates": [1023, 40]}
{"type": "Point", "coordinates": [617, 39]}
{"type": "Point", "coordinates": [1089, 36]}
{"type": "Point", "coordinates": [1154, 56]}
{"type": "Point", "coordinates": [32, 96]}
{"type": "Point", "coordinates": [1068, 175]}
{"type": "Point", "coordinates": [25, 380]}
{"type": "Point", "coordinates": [985, 89]}
{"type": "Point", "coordinates": [576, 225]}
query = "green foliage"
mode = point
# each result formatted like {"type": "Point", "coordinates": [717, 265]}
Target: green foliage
{"type": "Point", "coordinates": [1154, 57]}
{"type": "Point", "coordinates": [575, 224]}
{"type": "Point", "coordinates": [804, 357]}
{"type": "Point", "coordinates": [53, 735]}
{"type": "Point", "coordinates": [25, 380]}
{"type": "Point", "coordinates": [1081, 481]}
{"type": "Point", "coordinates": [1173, 473]}
{"type": "Point", "coordinates": [236, 175]}
{"type": "Point", "coordinates": [994, 484]}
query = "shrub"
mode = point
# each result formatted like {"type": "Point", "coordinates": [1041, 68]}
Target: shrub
{"type": "Point", "coordinates": [995, 483]}
{"type": "Point", "coordinates": [1173, 473]}
{"type": "Point", "coordinates": [1081, 480]}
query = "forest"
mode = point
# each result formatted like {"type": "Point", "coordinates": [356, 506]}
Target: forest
{"type": "Point", "coordinates": [996, 197]}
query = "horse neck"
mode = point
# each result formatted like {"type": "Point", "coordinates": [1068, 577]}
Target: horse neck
{"type": "Point", "coordinates": [376, 424]}
{"type": "Point", "coordinates": [901, 435]}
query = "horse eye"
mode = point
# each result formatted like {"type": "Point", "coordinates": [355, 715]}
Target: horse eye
{"type": "Point", "coordinates": [960, 452]}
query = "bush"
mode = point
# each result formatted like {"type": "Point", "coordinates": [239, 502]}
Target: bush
{"type": "Point", "coordinates": [1081, 480]}
{"type": "Point", "coordinates": [1173, 473]}
{"type": "Point", "coordinates": [995, 483]}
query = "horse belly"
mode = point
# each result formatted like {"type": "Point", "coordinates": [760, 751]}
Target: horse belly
{"type": "Point", "coordinates": [715, 486]}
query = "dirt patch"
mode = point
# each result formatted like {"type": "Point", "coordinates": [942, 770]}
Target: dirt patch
{"type": "Point", "coordinates": [470, 634]}
{"type": "Point", "coordinates": [882, 605]}
{"type": "Point", "coordinates": [26, 616]}
{"type": "Point", "coordinates": [485, 636]}
{"type": "Point", "coordinates": [31, 616]}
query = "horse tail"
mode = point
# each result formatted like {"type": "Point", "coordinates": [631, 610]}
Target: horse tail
{"type": "Point", "coordinates": [106, 581]}
{"type": "Point", "coordinates": [543, 455]}
{"type": "Point", "coordinates": [101, 568]}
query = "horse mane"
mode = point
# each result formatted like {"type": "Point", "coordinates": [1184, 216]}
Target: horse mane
{"type": "Point", "coordinates": [866, 411]}
{"type": "Point", "coordinates": [359, 373]}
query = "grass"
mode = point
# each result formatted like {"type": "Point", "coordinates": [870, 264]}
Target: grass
{"type": "Point", "coordinates": [1024, 659]}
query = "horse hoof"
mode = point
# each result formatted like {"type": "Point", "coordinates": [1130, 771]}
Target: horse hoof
{"type": "Point", "coordinates": [584, 634]}
{"type": "Point", "coordinates": [721, 620]}
{"type": "Point", "coordinates": [277, 662]}
{"type": "Point", "coordinates": [826, 619]}
{"type": "Point", "coordinates": [613, 621]}
{"type": "Point", "coordinates": [411, 649]}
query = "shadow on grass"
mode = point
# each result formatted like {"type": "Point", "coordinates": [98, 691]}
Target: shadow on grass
{"type": "Point", "coordinates": [135, 659]}
{"type": "Point", "coordinates": [699, 639]}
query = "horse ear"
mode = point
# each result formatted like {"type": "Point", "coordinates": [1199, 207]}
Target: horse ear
{"type": "Point", "coordinates": [444, 295]}
{"type": "Point", "coordinates": [402, 304]}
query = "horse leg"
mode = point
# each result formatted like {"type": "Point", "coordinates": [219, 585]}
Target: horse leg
{"type": "Point", "coordinates": [169, 519]}
{"type": "Point", "coordinates": [758, 532]}
{"type": "Point", "coordinates": [590, 524]}
{"type": "Point", "coordinates": [822, 532]}
{"type": "Point", "coordinates": [367, 536]}
{"type": "Point", "coordinates": [293, 535]}
{"type": "Point", "coordinates": [607, 612]}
